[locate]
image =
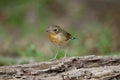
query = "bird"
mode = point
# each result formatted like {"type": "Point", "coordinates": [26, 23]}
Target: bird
{"type": "Point", "coordinates": [59, 37]}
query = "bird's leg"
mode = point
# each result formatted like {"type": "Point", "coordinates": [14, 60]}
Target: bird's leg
{"type": "Point", "coordinates": [66, 51]}
{"type": "Point", "coordinates": [58, 49]}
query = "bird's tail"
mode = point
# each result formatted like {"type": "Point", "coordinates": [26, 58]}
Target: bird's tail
{"type": "Point", "coordinates": [73, 38]}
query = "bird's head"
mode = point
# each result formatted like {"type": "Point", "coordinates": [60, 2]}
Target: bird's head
{"type": "Point", "coordinates": [55, 29]}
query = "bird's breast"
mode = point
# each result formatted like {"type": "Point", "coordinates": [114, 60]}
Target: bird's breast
{"type": "Point", "coordinates": [58, 39]}
{"type": "Point", "coordinates": [55, 38]}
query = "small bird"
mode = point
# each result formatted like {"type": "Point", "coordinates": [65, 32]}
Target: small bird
{"type": "Point", "coordinates": [59, 37]}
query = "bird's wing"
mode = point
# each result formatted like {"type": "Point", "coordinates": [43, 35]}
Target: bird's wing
{"type": "Point", "coordinates": [68, 36]}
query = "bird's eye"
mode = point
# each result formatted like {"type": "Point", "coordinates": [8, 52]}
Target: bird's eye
{"type": "Point", "coordinates": [55, 30]}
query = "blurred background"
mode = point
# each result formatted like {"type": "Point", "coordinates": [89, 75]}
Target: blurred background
{"type": "Point", "coordinates": [23, 24]}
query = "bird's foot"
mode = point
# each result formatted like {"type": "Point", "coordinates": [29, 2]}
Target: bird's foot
{"type": "Point", "coordinates": [53, 59]}
{"type": "Point", "coordinates": [64, 58]}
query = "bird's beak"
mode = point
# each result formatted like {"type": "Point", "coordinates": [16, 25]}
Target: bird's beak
{"type": "Point", "coordinates": [47, 30]}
